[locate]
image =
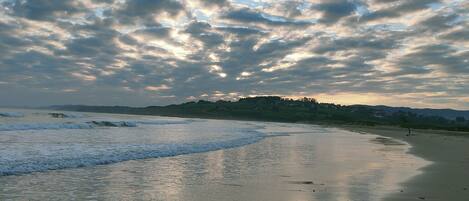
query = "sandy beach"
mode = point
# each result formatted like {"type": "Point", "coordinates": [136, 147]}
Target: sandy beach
{"type": "Point", "coordinates": [446, 178]}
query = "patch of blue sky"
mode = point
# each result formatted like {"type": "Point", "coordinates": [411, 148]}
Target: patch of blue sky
{"type": "Point", "coordinates": [435, 6]}
{"type": "Point", "coordinates": [251, 3]}
{"type": "Point", "coordinates": [362, 9]}
{"type": "Point", "coordinates": [201, 16]}
{"type": "Point", "coordinates": [283, 19]}
{"type": "Point", "coordinates": [223, 25]}
{"type": "Point", "coordinates": [388, 27]}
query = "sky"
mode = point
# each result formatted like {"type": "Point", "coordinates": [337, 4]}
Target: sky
{"type": "Point", "coordinates": [155, 52]}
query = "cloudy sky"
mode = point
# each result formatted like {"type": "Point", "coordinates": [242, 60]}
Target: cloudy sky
{"type": "Point", "coordinates": [156, 52]}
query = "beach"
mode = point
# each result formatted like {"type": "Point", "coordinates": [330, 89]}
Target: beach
{"type": "Point", "coordinates": [446, 178]}
{"type": "Point", "coordinates": [111, 156]}
{"type": "Point", "coordinates": [91, 156]}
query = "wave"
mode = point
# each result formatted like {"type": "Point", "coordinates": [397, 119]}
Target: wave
{"type": "Point", "coordinates": [106, 154]}
{"type": "Point", "coordinates": [64, 115]}
{"type": "Point", "coordinates": [113, 124]}
{"type": "Point", "coordinates": [44, 126]}
{"type": "Point", "coordinates": [11, 114]}
{"type": "Point", "coordinates": [84, 125]}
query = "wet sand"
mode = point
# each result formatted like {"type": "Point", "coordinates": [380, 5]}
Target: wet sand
{"type": "Point", "coordinates": [447, 178]}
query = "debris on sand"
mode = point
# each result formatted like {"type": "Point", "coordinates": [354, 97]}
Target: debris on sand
{"type": "Point", "coordinates": [301, 182]}
{"type": "Point", "coordinates": [386, 141]}
{"type": "Point", "coordinates": [227, 184]}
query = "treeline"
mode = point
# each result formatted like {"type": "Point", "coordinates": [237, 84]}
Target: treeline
{"type": "Point", "coordinates": [274, 108]}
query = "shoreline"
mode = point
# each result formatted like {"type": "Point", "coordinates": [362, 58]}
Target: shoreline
{"type": "Point", "coordinates": [446, 178]}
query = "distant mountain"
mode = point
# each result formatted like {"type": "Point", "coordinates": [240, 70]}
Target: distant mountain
{"type": "Point", "coordinates": [306, 110]}
{"type": "Point", "coordinates": [446, 113]}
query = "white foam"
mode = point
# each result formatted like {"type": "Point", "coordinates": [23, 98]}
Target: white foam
{"type": "Point", "coordinates": [59, 156]}
{"type": "Point", "coordinates": [44, 126]}
{"type": "Point", "coordinates": [84, 125]}
{"type": "Point", "coordinates": [113, 123]}
{"type": "Point", "coordinates": [64, 115]}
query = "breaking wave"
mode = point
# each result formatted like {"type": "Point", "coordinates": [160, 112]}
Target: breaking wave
{"type": "Point", "coordinates": [64, 115]}
{"type": "Point", "coordinates": [85, 125]}
{"type": "Point", "coordinates": [82, 155]}
{"type": "Point", "coordinates": [11, 114]}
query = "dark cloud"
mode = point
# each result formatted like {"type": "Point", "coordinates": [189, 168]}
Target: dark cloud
{"type": "Point", "coordinates": [438, 23]}
{"type": "Point", "coordinates": [461, 35]}
{"type": "Point", "coordinates": [104, 1]}
{"type": "Point", "coordinates": [289, 9]}
{"type": "Point", "coordinates": [276, 46]}
{"type": "Point", "coordinates": [241, 31]}
{"type": "Point", "coordinates": [363, 42]}
{"type": "Point", "coordinates": [89, 47]}
{"type": "Point", "coordinates": [250, 16]}
{"type": "Point", "coordinates": [410, 70]}
{"type": "Point", "coordinates": [386, 13]}
{"type": "Point", "coordinates": [44, 9]}
{"type": "Point", "coordinates": [441, 57]}
{"type": "Point", "coordinates": [8, 41]}
{"type": "Point", "coordinates": [196, 27]}
{"type": "Point", "coordinates": [35, 69]}
{"type": "Point", "coordinates": [219, 3]}
{"type": "Point", "coordinates": [97, 43]}
{"type": "Point", "coordinates": [411, 6]}
{"type": "Point", "coordinates": [146, 10]}
{"type": "Point", "coordinates": [159, 32]}
{"type": "Point", "coordinates": [334, 10]}
{"type": "Point", "coordinates": [385, 1]}
{"type": "Point", "coordinates": [204, 32]}
{"type": "Point", "coordinates": [397, 10]}
{"type": "Point", "coordinates": [138, 8]}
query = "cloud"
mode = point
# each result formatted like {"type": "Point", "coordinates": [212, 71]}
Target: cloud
{"type": "Point", "coordinates": [160, 52]}
{"type": "Point", "coordinates": [441, 57]}
{"type": "Point", "coordinates": [438, 23]}
{"type": "Point", "coordinates": [147, 10]}
{"type": "Point", "coordinates": [203, 32]}
{"type": "Point", "coordinates": [246, 15]}
{"type": "Point", "coordinates": [461, 35]}
{"type": "Point", "coordinates": [219, 3]}
{"type": "Point", "coordinates": [157, 88]}
{"type": "Point", "coordinates": [362, 42]}
{"type": "Point", "coordinates": [333, 10]}
{"type": "Point", "coordinates": [242, 31]}
{"type": "Point", "coordinates": [158, 32]}
{"type": "Point", "coordinates": [44, 9]}
{"type": "Point", "coordinates": [397, 9]}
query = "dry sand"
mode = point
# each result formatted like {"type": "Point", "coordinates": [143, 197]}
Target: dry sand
{"type": "Point", "coordinates": [447, 179]}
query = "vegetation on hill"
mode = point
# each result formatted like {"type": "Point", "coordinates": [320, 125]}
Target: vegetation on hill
{"type": "Point", "coordinates": [274, 108]}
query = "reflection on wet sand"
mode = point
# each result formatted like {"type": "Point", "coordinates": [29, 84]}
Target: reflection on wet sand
{"type": "Point", "coordinates": [321, 164]}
